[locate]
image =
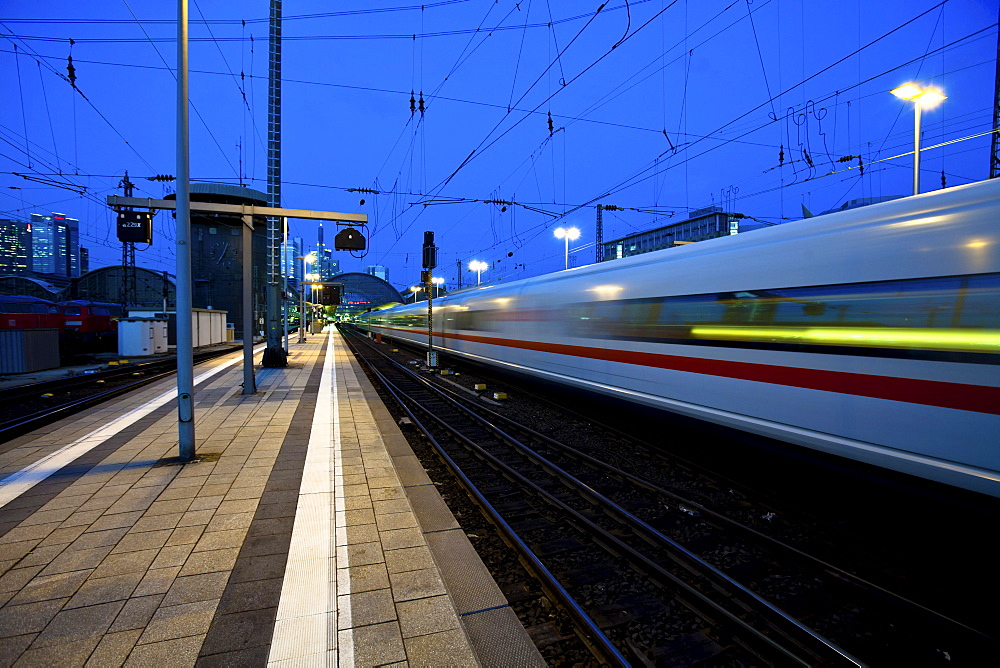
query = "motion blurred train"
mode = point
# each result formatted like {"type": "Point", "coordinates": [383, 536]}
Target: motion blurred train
{"type": "Point", "coordinates": [872, 333]}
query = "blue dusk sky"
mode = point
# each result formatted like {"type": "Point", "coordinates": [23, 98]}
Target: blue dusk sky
{"type": "Point", "coordinates": [660, 107]}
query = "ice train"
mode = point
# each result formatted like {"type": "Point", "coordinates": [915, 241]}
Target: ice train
{"type": "Point", "coordinates": [872, 334]}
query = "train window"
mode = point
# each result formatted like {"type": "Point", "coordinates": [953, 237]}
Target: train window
{"type": "Point", "coordinates": [902, 315]}
{"type": "Point", "coordinates": [72, 310]}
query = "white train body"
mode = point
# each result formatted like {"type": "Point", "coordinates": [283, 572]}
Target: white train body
{"type": "Point", "coordinates": [872, 334]}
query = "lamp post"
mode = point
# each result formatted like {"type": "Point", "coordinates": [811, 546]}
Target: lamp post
{"type": "Point", "coordinates": [306, 260]}
{"type": "Point", "coordinates": [437, 281]}
{"type": "Point", "coordinates": [922, 98]}
{"type": "Point", "coordinates": [479, 267]}
{"type": "Point", "coordinates": [415, 289]}
{"type": "Point", "coordinates": [568, 234]}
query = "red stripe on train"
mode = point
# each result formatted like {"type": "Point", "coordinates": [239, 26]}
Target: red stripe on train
{"type": "Point", "coordinates": [960, 396]}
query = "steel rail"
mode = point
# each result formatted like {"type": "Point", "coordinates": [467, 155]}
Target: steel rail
{"type": "Point", "coordinates": [588, 631]}
{"type": "Point", "coordinates": [613, 544]}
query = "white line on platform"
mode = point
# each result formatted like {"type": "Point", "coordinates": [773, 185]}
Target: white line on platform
{"type": "Point", "coordinates": [305, 627]}
{"type": "Point", "coordinates": [18, 483]}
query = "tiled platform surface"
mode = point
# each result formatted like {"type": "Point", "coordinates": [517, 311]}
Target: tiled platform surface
{"type": "Point", "coordinates": [309, 534]}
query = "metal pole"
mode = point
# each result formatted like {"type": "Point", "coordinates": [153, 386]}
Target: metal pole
{"type": "Point", "coordinates": [185, 351]}
{"type": "Point", "coordinates": [566, 239]}
{"type": "Point", "coordinates": [286, 269]}
{"type": "Point", "coordinates": [249, 382]}
{"type": "Point", "coordinates": [431, 358]}
{"type": "Point", "coordinates": [302, 303]}
{"type": "Point", "coordinates": [916, 147]}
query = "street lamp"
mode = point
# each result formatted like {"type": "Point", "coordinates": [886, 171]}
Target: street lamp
{"type": "Point", "coordinates": [922, 98]}
{"type": "Point", "coordinates": [568, 234]}
{"type": "Point", "coordinates": [437, 281]}
{"type": "Point", "coordinates": [415, 289]}
{"type": "Point", "coordinates": [479, 267]}
{"type": "Point", "coordinates": [306, 260]}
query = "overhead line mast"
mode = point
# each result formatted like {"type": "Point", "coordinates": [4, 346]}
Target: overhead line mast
{"type": "Point", "coordinates": [274, 355]}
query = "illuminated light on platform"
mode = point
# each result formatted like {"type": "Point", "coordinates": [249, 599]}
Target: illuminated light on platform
{"type": "Point", "coordinates": [971, 340]}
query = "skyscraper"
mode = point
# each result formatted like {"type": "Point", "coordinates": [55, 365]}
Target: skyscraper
{"type": "Point", "coordinates": [325, 265]}
{"type": "Point", "coordinates": [378, 270]}
{"type": "Point", "coordinates": [56, 247]}
{"type": "Point", "coordinates": [15, 247]}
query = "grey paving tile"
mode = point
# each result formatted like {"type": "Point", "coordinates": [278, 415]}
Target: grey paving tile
{"type": "Point", "coordinates": [397, 539]}
{"type": "Point", "coordinates": [239, 631]}
{"type": "Point", "coordinates": [445, 648]}
{"type": "Point", "coordinates": [147, 540]}
{"type": "Point", "coordinates": [115, 521]}
{"type": "Point", "coordinates": [32, 532]}
{"type": "Point", "coordinates": [125, 562]}
{"type": "Point", "coordinates": [47, 516]}
{"type": "Point", "coordinates": [353, 517]}
{"type": "Point", "coordinates": [168, 506]}
{"type": "Point", "coordinates": [393, 521]}
{"type": "Point", "coordinates": [78, 623]}
{"type": "Point", "coordinates": [392, 506]}
{"type": "Point", "coordinates": [250, 595]}
{"type": "Point", "coordinates": [206, 502]}
{"type": "Point", "coordinates": [178, 621]}
{"type": "Point", "coordinates": [136, 614]}
{"type": "Point", "coordinates": [16, 620]}
{"type": "Point", "coordinates": [178, 652]}
{"type": "Point", "coordinates": [64, 655]}
{"type": "Point", "coordinates": [185, 535]}
{"type": "Point", "coordinates": [426, 615]}
{"type": "Point", "coordinates": [218, 540]}
{"type": "Point", "coordinates": [408, 559]}
{"type": "Point", "coordinates": [364, 608]}
{"type": "Point", "coordinates": [195, 518]}
{"type": "Point", "coordinates": [236, 506]}
{"type": "Point", "coordinates": [77, 560]}
{"type": "Point", "coordinates": [249, 569]}
{"type": "Point", "coordinates": [361, 533]}
{"type": "Point", "coordinates": [158, 523]}
{"type": "Point", "coordinates": [42, 555]}
{"type": "Point", "coordinates": [91, 539]}
{"type": "Point", "coordinates": [81, 518]}
{"type": "Point", "coordinates": [61, 585]}
{"type": "Point", "coordinates": [105, 589]}
{"type": "Point", "coordinates": [363, 578]}
{"type": "Point", "coordinates": [374, 645]}
{"type": "Point", "coordinates": [13, 647]}
{"type": "Point", "coordinates": [209, 562]}
{"type": "Point", "coordinates": [174, 555]}
{"type": "Point", "coordinates": [229, 522]}
{"type": "Point", "coordinates": [361, 554]}
{"type": "Point", "coordinates": [62, 535]}
{"type": "Point", "coordinates": [157, 581]}
{"type": "Point", "coordinates": [410, 585]}
{"type": "Point", "coordinates": [193, 588]}
{"type": "Point", "coordinates": [17, 551]}
{"type": "Point", "coordinates": [113, 649]}
{"type": "Point", "coordinates": [15, 578]}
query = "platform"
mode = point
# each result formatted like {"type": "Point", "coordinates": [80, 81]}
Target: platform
{"type": "Point", "coordinates": [307, 534]}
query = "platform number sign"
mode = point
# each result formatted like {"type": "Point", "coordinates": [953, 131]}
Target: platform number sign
{"type": "Point", "coordinates": [135, 227]}
{"type": "Point", "coordinates": [330, 295]}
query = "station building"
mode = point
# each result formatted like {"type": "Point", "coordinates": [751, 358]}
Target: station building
{"type": "Point", "coordinates": [701, 224]}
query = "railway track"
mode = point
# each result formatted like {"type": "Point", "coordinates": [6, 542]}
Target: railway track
{"type": "Point", "coordinates": [650, 576]}
{"type": "Point", "coordinates": [24, 408]}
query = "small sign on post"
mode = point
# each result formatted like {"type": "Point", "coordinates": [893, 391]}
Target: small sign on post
{"type": "Point", "coordinates": [135, 227]}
